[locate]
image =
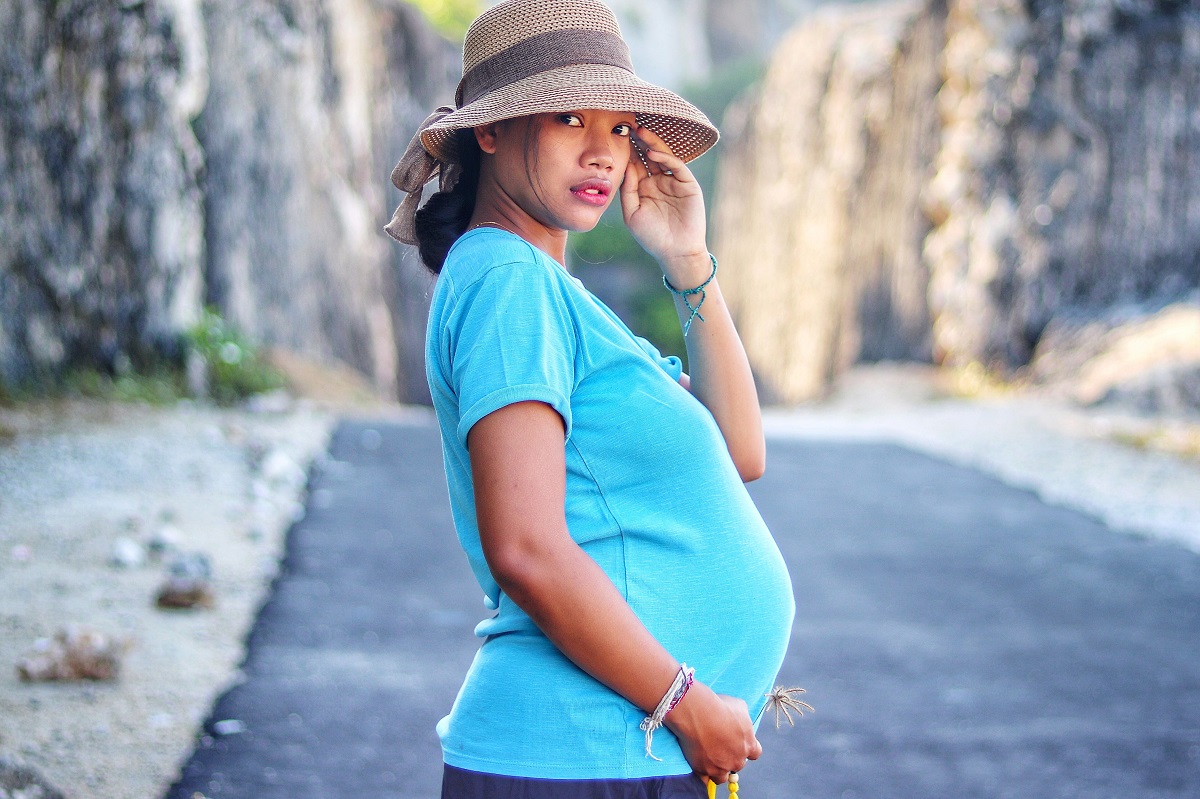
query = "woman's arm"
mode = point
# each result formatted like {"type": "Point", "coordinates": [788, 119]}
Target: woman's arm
{"type": "Point", "coordinates": [664, 209]}
{"type": "Point", "coordinates": [519, 474]}
{"type": "Point", "coordinates": [719, 374]}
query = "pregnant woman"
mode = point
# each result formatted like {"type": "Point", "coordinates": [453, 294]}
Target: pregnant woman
{"type": "Point", "coordinates": [641, 608]}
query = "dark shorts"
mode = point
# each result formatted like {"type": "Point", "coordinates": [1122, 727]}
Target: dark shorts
{"type": "Point", "coordinates": [460, 784]}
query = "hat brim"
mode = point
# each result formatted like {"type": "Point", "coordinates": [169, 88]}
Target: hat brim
{"type": "Point", "coordinates": [685, 128]}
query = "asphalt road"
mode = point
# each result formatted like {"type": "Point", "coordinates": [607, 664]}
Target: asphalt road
{"type": "Point", "coordinates": [959, 638]}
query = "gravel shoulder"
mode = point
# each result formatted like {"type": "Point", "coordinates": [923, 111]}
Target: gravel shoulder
{"type": "Point", "coordinates": [75, 478]}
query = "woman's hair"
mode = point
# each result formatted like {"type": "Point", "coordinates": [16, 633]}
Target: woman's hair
{"type": "Point", "coordinates": [446, 214]}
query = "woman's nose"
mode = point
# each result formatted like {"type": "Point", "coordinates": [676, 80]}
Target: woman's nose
{"type": "Point", "coordinates": [599, 152]}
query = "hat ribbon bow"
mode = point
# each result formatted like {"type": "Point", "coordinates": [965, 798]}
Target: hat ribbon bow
{"type": "Point", "coordinates": [415, 169]}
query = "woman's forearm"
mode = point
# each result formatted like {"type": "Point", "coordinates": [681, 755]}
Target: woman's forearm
{"type": "Point", "coordinates": [720, 377]}
{"type": "Point", "coordinates": [519, 473]}
{"type": "Point", "coordinates": [574, 603]}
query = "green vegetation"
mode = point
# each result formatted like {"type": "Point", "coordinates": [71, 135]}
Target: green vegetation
{"type": "Point", "coordinates": [975, 380]}
{"type": "Point", "coordinates": [450, 17]}
{"type": "Point", "coordinates": [234, 367]}
{"type": "Point", "coordinates": [1180, 439]}
{"type": "Point", "coordinates": [161, 387]}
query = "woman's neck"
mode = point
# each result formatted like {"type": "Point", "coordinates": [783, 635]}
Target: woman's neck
{"type": "Point", "coordinates": [495, 209]}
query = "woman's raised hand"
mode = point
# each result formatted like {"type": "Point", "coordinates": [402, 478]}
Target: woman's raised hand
{"type": "Point", "coordinates": [663, 207]}
{"type": "Point", "coordinates": [715, 732]}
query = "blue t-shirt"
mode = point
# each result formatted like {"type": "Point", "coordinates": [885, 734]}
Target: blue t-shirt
{"type": "Point", "coordinates": [651, 495]}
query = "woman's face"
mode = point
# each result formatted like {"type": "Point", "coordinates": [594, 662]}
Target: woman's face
{"type": "Point", "coordinates": [562, 169]}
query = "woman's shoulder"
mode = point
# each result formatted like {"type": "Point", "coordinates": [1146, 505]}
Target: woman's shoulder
{"type": "Point", "coordinates": [480, 251]}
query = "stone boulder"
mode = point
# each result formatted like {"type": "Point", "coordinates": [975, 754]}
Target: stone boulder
{"type": "Point", "coordinates": [1148, 362]}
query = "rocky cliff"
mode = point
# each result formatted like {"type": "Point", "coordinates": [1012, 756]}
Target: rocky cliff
{"type": "Point", "coordinates": [101, 210]}
{"type": "Point", "coordinates": [817, 215]}
{"type": "Point", "coordinates": [163, 154]}
{"type": "Point", "coordinates": [945, 181]}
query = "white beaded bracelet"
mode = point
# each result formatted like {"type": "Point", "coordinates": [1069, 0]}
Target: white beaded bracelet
{"type": "Point", "coordinates": [679, 688]}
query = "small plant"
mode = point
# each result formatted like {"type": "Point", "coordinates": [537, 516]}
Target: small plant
{"type": "Point", "coordinates": [974, 380]}
{"type": "Point", "coordinates": [234, 369]}
{"type": "Point", "coordinates": [784, 702]}
{"type": "Point", "coordinates": [161, 387]}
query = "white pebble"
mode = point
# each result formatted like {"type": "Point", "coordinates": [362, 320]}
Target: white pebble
{"type": "Point", "coordinates": [126, 554]}
{"type": "Point", "coordinates": [229, 727]}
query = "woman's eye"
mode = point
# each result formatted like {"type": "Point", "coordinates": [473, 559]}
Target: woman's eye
{"type": "Point", "coordinates": [623, 130]}
{"type": "Point", "coordinates": [571, 119]}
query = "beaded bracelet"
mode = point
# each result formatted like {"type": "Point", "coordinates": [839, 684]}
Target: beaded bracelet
{"type": "Point", "coordinates": [695, 309]}
{"type": "Point", "coordinates": [674, 695]}
{"type": "Point", "coordinates": [733, 787]}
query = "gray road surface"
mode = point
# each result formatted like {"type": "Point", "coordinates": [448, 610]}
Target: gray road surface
{"type": "Point", "coordinates": [958, 637]}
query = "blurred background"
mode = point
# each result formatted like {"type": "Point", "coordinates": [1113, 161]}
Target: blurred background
{"type": "Point", "coordinates": [911, 199]}
{"type": "Point", "coordinates": [192, 191]}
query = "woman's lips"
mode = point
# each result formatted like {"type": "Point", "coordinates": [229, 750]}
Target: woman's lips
{"type": "Point", "coordinates": [594, 192]}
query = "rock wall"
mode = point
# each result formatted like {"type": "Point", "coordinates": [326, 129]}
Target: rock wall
{"type": "Point", "coordinates": [943, 182]}
{"type": "Point", "coordinates": [1069, 170]}
{"type": "Point", "coordinates": [163, 154]}
{"type": "Point", "coordinates": [817, 216]}
{"type": "Point", "coordinates": [100, 205]}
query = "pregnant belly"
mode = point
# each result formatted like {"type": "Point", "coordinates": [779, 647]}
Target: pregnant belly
{"type": "Point", "coordinates": [724, 606]}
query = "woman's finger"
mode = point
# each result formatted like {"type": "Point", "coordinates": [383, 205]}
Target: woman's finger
{"type": "Point", "coordinates": [641, 150]}
{"type": "Point", "coordinates": [755, 750]}
{"type": "Point", "coordinates": [653, 149]}
{"type": "Point", "coordinates": [638, 161]}
{"type": "Point", "coordinates": [670, 164]}
{"type": "Point", "coordinates": [630, 200]}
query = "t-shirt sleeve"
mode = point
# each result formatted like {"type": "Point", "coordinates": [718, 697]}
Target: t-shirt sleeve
{"type": "Point", "coordinates": [668, 363]}
{"type": "Point", "coordinates": [512, 339]}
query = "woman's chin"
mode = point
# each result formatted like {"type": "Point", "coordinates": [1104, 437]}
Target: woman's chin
{"type": "Point", "coordinates": [582, 223]}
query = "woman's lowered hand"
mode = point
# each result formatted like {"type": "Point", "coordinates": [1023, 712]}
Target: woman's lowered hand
{"type": "Point", "coordinates": [714, 731]}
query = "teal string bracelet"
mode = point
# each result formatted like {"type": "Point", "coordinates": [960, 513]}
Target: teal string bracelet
{"type": "Point", "coordinates": [695, 309]}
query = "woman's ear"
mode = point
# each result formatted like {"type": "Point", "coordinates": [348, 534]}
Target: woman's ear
{"type": "Point", "coordinates": [485, 135]}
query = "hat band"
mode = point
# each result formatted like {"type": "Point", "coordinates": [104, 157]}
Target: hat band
{"type": "Point", "coordinates": [542, 53]}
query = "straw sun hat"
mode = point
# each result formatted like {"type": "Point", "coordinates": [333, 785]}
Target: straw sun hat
{"type": "Point", "coordinates": [524, 57]}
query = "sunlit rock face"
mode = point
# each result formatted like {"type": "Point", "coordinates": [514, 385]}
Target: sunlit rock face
{"type": "Point", "coordinates": [943, 182]}
{"type": "Point", "coordinates": [817, 214]}
{"type": "Point", "coordinates": [164, 154]}
{"type": "Point", "coordinates": [1069, 171]}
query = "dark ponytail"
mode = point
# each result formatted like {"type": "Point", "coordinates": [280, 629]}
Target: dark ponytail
{"type": "Point", "coordinates": [446, 214]}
